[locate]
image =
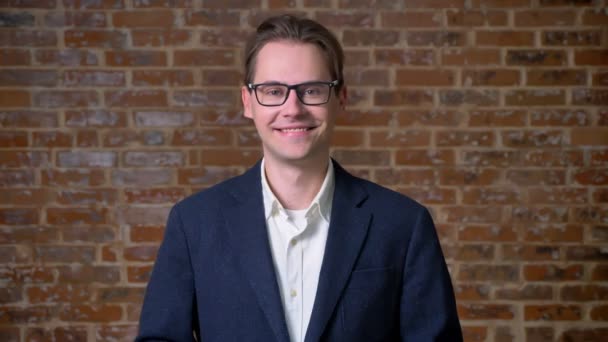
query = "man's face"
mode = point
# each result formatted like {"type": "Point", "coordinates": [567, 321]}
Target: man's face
{"type": "Point", "coordinates": [293, 132]}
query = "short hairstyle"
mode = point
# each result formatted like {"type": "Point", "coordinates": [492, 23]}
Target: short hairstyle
{"type": "Point", "coordinates": [299, 30]}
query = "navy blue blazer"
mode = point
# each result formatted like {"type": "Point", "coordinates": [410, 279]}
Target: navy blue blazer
{"type": "Point", "coordinates": [383, 276]}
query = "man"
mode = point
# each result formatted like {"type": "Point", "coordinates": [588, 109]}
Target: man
{"type": "Point", "coordinates": [297, 249]}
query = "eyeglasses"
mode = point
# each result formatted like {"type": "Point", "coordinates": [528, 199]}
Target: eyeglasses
{"type": "Point", "coordinates": [309, 93]}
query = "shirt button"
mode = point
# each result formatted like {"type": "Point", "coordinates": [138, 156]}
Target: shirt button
{"type": "Point", "coordinates": [293, 293]}
{"type": "Point", "coordinates": [294, 242]}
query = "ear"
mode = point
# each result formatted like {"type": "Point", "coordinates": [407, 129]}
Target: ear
{"type": "Point", "coordinates": [246, 98]}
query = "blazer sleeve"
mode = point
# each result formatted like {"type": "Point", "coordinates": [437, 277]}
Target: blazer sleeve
{"type": "Point", "coordinates": [169, 308]}
{"type": "Point", "coordinates": [428, 306]}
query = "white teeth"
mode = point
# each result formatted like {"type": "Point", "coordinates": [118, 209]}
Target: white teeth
{"type": "Point", "coordinates": [294, 129]}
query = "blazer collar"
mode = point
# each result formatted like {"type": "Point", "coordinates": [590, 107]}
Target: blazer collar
{"type": "Point", "coordinates": [349, 223]}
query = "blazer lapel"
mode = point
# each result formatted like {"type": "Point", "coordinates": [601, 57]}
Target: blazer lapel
{"type": "Point", "coordinates": [347, 232]}
{"type": "Point", "coordinates": [246, 222]}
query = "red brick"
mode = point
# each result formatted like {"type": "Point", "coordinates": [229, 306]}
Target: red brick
{"type": "Point", "coordinates": [66, 98]}
{"type": "Point", "coordinates": [93, 78]}
{"type": "Point", "coordinates": [72, 216]}
{"type": "Point", "coordinates": [409, 138]}
{"type": "Point", "coordinates": [470, 253]}
{"type": "Point", "coordinates": [138, 274]}
{"type": "Point", "coordinates": [436, 4]}
{"type": "Point", "coordinates": [468, 214]}
{"type": "Point", "coordinates": [417, 77]}
{"type": "Point", "coordinates": [16, 178]}
{"type": "Point", "coordinates": [66, 57]}
{"type": "Point", "coordinates": [72, 178]}
{"type": "Point", "coordinates": [436, 38]}
{"type": "Point", "coordinates": [471, 56]}
{"type": "Point", "coordinates": [406, 176]}
{"type": "Point", "coordinates": [369, 37]}
{"type": "Point", "coordinates": [25, 197]}
{"type": "Point", "coordinates": [410, 19]}
{"type": "Point", "coordinates": [10, 334]}
{"type": "Point", "coordinates": [589, 136]}
{"type": "Point", "coordinates": [99, 4]}
{"type": "Point", "coordinates": [472, 97]}
{"type": "Point", "coordinates": [490, 77]}
{"type": "Point", "coordinates": [207, 175]}
{"type": "Point", "coordinates": [141, 177]}
{"type": "Point", "coordinates": [471, 18]}
{"type": "Point", "coordinates": [551, 3]}
{"type": "Point", "coordinates": [530, 253]}
{"type": "Point", "coordinates": [28, 38]}
{"type": "Point", "coordinates": [163, 78]}
{"type": "Point", "coordinates": [51, 139]}
{"type": "Point", "coordinates": [539, 214]}
{"type": "Point", "coordinates": [136, 58]}
{"type": "Point", "coordinates": [540, 334]}
{"type": "Point", "coordinates": [29, 235]}
{"type": "Point", "coordinates": [403, 97]}
{"type": "Point", "coordinates": [59, 293]}
{"type": "Point", "coordinates": [95, 39]}
{"type": "Point", "coordinates": [593, 17]}
{"type": "Point", "coordinates": [429, 195]}
{"type": "Point", "coordinates": [553, 273]}
{"type": "Point", "coordinates": [379, 4]}
{"type": "Point", "coordinates": [203, 57]}
{"type": "Point", "coordinates": [497, 233]}
{"type": "Point", "coordinates": [356, 57]}
{"type": "Point", "coordinates": [472, 292]}
{"type": "Point", "coordinates": [15, 254]}
{"type": "Point", "coordinates": [86, 196]}
{"type": "Point", "coordinates": [91, 313]}
{"type": "Point", "coordinates": [424, 157]}
{"type": "Point", "coordinates": [490, 196]}
{"type": "Point", "coordinates": [559, 117]}
{"type": "Point", "coordinates": [485, 312]}
{"type": "Point", "coordinates": [26, 315]}
{"type": "Point", "coordinates": [555, 312]}
{"type": "Point", "coordinates": [598, 177]}
{"type": "Point", "coordinates": [160, 37]}
{"type": "Point", "coordinates": [586, 253]}
{"type": "Point", "coordinates": [89, 235]}
{"type": "Point", "coordinates": [544, 97]}
{"type": "Point", "coordinates": [590, 97]}
{"type": "Point", "coordinates": [529, 292]}
{"type": "Point", "coordinates": [19, 158]}
{"type": "Point", "coordinates": [206, 98]}
{"type": "Point", "coordinates": [116, 332]}
{"type": "Point", "coordinates": [212, 17]}
{"type": "Point", "coordinates": [572, 38]}
{"type": "Point", "coordinates": [14, 139]}
{"type": "Point", "coordinates": [151, 196]}
{"type": "Point", "coordinates": [139, 19]}
{"type": "Point", "coordinates": [202, 137]}
{"type": "Point", "coordinates": [599, 313]}
{"type": "Point", "coordinates": [56, 334]}
{"type": "Point", "coordinates": [473, 334]}
{"type": "Point", "coordinates": [536, 57]}
{"type": "Point", "coordinates": [591, 57]}
{"type": "Point", "coordinates": [136, 98]}
{"type": "Point", "coordinates": [87, 138]}
{"type": "Point", "coordinates": [455, 138]}
{"type": "Point", "coordinates": [27, 78]}
{"type": "Point", "coordinates": [146, 233]}
{"type": "Point", "coordinates": [86, 274]}
{"type": "Point", "coordinates": [584, 334]}
{"type": "Point", "coordinates": [14, 98]}
{"type": "Point", "coordinates": [556, 77]}
{"type": "Point", "coordinates": [141, 253]}
{"type": "Point", "coordinates": [86, 159]}
{"type": "Point", "coordinates": [544, 17]}
{"type": "Point", "coordinates": [504, 38]}
{"type": "Point", "coordinates": [15, 57]}
{"type": "Point", "coordinates": [550, 158]}
{"type": "Point", "coordinates": [163, 3]}
{"type": "Point", "coordinates": [554, 233]}
{"type": "Point", "coordinates": [497, 118]}
{"type": "Point", "coordinates": [153, 158]}
{"type": "Point", "coordinates": [584, 293]}
{"type": "Point", "coordinates": [75, 19]}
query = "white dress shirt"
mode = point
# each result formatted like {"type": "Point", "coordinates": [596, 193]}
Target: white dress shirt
{"type": "Point", "coordinates": [297, 241]}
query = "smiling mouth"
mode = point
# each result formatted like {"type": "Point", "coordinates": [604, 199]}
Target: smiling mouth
{"type": "Point", "coordinates": [294, 130]}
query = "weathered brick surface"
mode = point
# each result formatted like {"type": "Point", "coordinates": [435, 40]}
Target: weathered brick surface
{"type": "Point", "coordinates": [492, 113]}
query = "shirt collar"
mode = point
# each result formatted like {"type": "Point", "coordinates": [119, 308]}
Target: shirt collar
{"type": "Point", "coordinates": [322, 201]}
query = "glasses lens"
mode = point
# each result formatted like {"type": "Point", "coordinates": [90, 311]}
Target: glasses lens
{"type": "Point", "coordinates": [313, 93]}
{"type": "Point", "coordinates": [271, 94]}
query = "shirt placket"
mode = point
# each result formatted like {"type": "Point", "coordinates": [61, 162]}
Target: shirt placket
{"type": "Point", "coordinates": [295, 260]}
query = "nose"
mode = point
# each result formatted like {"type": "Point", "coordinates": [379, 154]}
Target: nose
{"type": "Point", "coordinates": [293, 105]}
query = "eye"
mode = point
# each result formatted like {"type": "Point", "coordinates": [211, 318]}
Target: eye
{"type": "Point", "coordinates": [273, 91]}
{"type": "Point", "coordinates": [312, 90]}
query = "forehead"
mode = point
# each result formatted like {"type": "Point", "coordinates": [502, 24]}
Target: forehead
{"type": "Point", "coordinates": [291, 62]}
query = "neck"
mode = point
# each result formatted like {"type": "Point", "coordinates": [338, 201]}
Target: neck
{"type": "Point", "coordinates": [295, 186]}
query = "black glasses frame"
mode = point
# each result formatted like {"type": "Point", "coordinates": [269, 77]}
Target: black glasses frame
{"type": "Point", "coordinates": [254, 87]}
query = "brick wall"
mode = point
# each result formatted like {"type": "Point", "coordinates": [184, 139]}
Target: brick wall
{"type": "Point", "coordinates": [493, 113]}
